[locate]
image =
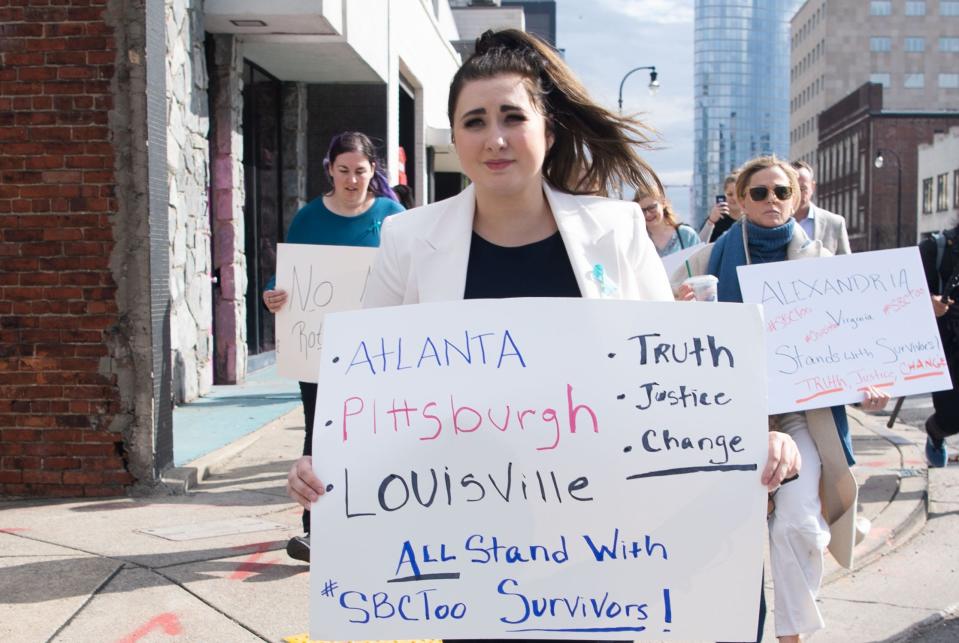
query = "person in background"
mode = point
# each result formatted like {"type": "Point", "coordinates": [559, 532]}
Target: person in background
{"type": "Point", "coordinates": [350, 214]}
{"type": "Point", "coordinates": [537, 149]}
{"type": "Point", "coordinates": [819, 224]}
{"type": "Point", "coordinates": [801, 524]}
{"type": "Point", "coordinates": [667, 233]}
{"type": "Point", "coordinates": [404, 195]}
{"type": "Point", "coordinates": [940, 261]}
{"type": "Point", "coordinates": [724, 213]}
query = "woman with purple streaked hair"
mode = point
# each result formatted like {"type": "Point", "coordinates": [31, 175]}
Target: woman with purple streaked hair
{"type": "Point", "coordinates": [351, 214]}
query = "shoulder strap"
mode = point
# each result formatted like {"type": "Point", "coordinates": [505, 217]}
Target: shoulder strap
{"type": "Point", "coordinates": [950, 284]}
{"type": "Point", "coordinates": [940, 251]}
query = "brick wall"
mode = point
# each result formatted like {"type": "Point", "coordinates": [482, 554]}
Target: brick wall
{"type": "Point", "coordinates": [58, 305]}
{"type": "Point", "coordinates": [903, 135]}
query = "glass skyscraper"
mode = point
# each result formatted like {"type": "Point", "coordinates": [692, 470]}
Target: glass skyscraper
{"type": "Point", "coordinates": [741, 89]}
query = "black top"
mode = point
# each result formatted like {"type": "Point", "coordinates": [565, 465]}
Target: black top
{"type": "Point", "coordinates": [540, 269]}
{"type": "Point", "coordinates": [944, 277]}
{"type": "Point", "coordinates": [725, 223]}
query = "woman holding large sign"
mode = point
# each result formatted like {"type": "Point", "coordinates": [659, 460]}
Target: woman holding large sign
{"type": "Point", "coordinates": [801, 526]}
{"type": "Point", "coordinates": [538, 152]}
{"type": "Point", "coordinates": [351, 214]}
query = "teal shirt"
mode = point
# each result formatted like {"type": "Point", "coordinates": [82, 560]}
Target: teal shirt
{"type": "Point", "coordinates": [315, 224]}
{"type": "Point", "coordinates": [685, 237]}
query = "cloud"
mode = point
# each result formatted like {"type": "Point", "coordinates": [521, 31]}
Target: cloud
{"type": "Point", "coordinates": [676, 177]}
{"type": "Point", "coordinates": [604, 39]}
{"type": "Point", "coordinates": [667, 114]}
{"type": "Point", "coordinates": [662, 12]}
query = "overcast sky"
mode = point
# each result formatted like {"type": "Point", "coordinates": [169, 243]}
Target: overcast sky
{"type": "Point", "coordinates": [604, 39]}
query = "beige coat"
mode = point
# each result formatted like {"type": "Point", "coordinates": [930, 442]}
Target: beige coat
{"type": "Point", "coordinates": [830, 229]}
{"type": "Point", "coordinates": [838, 490]}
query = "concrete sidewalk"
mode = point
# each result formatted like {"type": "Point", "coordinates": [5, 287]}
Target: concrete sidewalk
{"type": "Point", "coordinates": [229, 412]}
{"type": "Point", "coordinates": [209, 565]}
{"type": "Point", "coordinates": [93, 571]}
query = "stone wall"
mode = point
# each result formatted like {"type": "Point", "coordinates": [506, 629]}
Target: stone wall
{"type": "Point", "coordinates": [229, 261]}
{"type": "Point", "coordinates": [293, 140]}
{"type": "Point", "coordinates": [191, 294]}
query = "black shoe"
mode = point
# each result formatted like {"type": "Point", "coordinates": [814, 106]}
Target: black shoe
{"type": "Point", "coordinates": [298, 548]}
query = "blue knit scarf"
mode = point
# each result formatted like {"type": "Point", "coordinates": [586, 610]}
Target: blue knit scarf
{"type": "Point", "coordinates": [765, 245]}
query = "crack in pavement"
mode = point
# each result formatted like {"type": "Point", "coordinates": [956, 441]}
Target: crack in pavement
{"type": "Point", "coordinates": [879, 603]}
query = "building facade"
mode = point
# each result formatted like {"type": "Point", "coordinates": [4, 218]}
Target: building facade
{"type": "Point", "coordinates": [741, 107]}
{"type": "Point", "coordinates": [540, 17]}
{"type": "Point", "coordinates": [878, 203]}
{"type": "Point", "coordinates": [910, 47]}
{"type": "Point", "coordinates": [938, 194]}
{"type": "Point", "coordinates": [152, 154]}
{"type": "Point", "coordinates": [473, 17]}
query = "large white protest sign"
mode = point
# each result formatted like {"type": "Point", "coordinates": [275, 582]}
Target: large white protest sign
{"type": "Point", "coordinates": [837, 325]}
{"type": "Point", "coordinates": [540, 468]}
{"type": "Point", "coordinates": [317, 280]}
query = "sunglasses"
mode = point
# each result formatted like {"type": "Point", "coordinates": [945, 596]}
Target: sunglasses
{"type": "Point", "coordinates": [760, 193]}
{"type": "Point", "coordinates": [650, 207]}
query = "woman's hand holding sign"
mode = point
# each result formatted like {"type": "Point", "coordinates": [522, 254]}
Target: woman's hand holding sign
{"type": "Point", "coordinates": [302, 485]}
{"type": "Point", "coordinates": [940, 307]}
{"type": "Point", "coordinates": [784, 460]}
{"type": "Point", "coordinates": [274, 300]}
{"type": "Point", "coordinates": [876, 399]}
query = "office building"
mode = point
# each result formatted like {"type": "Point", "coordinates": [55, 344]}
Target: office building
{"type": "Point", "coordinates": [938, 195]}
{"type": "Point", "coordinates": [878, 203]}
{"type": "Point", "coordinates": [910, 47]}
{"type": "Point", "coordinates": [473, 17]}
{"type": "Point", "coordinates": [741, 89]}
{"type": "Point", "coordinates": [160, 152]}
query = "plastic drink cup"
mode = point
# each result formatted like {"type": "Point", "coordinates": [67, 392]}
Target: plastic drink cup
{"type": "Point", "coordinates": [704, 287]}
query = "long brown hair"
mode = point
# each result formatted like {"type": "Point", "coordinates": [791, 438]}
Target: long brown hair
{"type": "Point", "coordinates": [593, 147]}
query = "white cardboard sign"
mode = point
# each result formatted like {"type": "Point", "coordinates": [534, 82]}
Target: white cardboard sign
{"type": "Point", "coordinates": [317, 280]}
{"type": "Point", "coordinates": [540, 468]}
{"type": "Point", "coordinates": [836, 325]}
{"type": "Point", "coordinates": [673, 261]}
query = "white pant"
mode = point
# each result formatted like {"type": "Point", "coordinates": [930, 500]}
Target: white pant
{"type": "Point", "coordinates": [798, 536]}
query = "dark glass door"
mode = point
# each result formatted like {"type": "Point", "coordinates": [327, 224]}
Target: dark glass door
{"type": "Point", "coordinates": [262, 174]}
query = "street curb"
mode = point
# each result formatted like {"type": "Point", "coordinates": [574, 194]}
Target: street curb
{"type": "Point", "coordinates": [904, 518]}
{"type": "Point", "coordinates": [927, 623]}
{"type": "Point", "coordinates": [180, 480]}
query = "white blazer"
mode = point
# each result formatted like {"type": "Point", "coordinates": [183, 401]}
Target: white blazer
{"type": "Point", "coordinates": [424, 252]}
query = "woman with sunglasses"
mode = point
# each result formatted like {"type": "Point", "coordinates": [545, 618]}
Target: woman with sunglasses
{"type": "Point", "coordinates": [801, 525]}
{"type": "Point", "coordinates": [667, 233]}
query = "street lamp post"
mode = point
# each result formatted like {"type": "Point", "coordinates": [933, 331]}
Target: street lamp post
{"type": "Point", "coordinates": [653, 82]}
{"type": "Point", "coordinates": [653, 88]}
{"type": "Point", "coordinates": [878, 163]}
